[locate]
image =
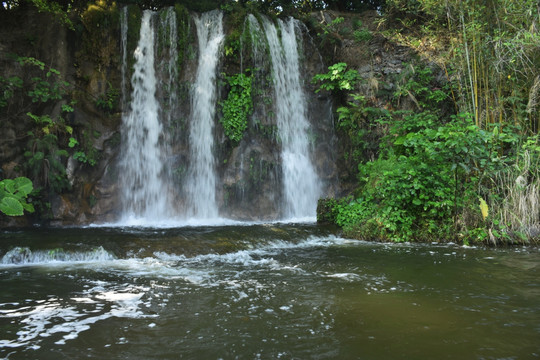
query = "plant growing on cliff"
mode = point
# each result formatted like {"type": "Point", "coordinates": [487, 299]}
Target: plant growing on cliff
{"type": "Point", "coordinates": [44, 153]}
{"type": "Point", "coordinates": [55, 9]}
{"type": "Point", "coordinates": [329, 30]}
{"type": "Point", "coordinates": [109, 100]}
{"type": "Point", "coordinates": [44, 162]}
{"type": "Point", "coordinates": [337, 79]}
{"type": "Point", "coordinates": [99, 42]}
{"type": "Point", "coordinates": [237, 107]}
{"type": "Point", "coordinates": [13, 196]}
{"type": "Point", "coordinates": [84, 153]}
{"type": "Point", "coordinates": [362, 36]}
{"type": "Point", "coordinates": [8, 86]}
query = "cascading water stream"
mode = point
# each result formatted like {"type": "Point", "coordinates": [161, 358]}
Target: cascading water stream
{"type": "Point", "coordinates": [144, 189]}
{"type": "Point", "coordinates": [123, 39]}
{"type": "Point", "coordinates": [168, 65]}
{"type": "Point", "coordinates": [201, 183]}
{"type": "Point", "coordinates": [301, 184]}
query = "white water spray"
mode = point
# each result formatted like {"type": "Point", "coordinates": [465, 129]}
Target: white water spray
{"type": "Point", "coordinates": [144, 191]}
{"type": "Point", "coordinates": [201, 183]}
{"type": "Point", "coordinates": [301, 184]}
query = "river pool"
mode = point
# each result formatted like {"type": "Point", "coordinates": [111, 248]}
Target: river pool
{"type": "Point", "coordinates": [261, 291]}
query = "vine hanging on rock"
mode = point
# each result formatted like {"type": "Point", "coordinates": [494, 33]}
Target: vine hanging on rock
{"type": "Point", "coordinates": [237, 107]}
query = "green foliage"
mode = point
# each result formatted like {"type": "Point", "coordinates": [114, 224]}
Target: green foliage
{"type": "Point", "coordinates": [338, 78]}
{"type": "Point", "coordinates": [44, 153]}
{"type": "Point", "coordinates": [8, 86]}
{"type": "Point", "coordinates": [357, 24]}
{"type": "Point", "coordinates": [81, 157]}
{"type": "Point", "coordinates": [72, 142]}
{"type": "Point", "coordinates": [356, 116]}
{"type": "Point", "coordinates": [54, 8]}
{"type": "Point", "coordinates": [363, 35]}
{"type": "Point", "coordinates": [331, 27]}
{"type": "Point", "coordinates": [237, 107]}
{"type": "Point", "coordinates": [422, 182]}
{"type": "Point", "coordinates": [489, 48]}
{"type": "Point", "coordinates": [85, 153]}
{"type": "Point", "coordinates": [431, 170]}
{"type": "Point", "coordinates": [44, 162]}
{"type": "Point", "coordinates": [183, 29]}
{"type": "Point", "coordinates": [13, 195]}
{"type": "Point", "coordinates": [108, 101]}
{"type": "Point", "coordinates": [44, 89]}
{"type": "Point", "coordinates": [100, 20]}
{"type": "Point", "coordinates": [355, 121]}
{"type": "Point", "coordinates": [233, 43]}
{"type": "Point", "coordinates": [330, 31]}
{"type": "Point", "coordinates": [418, 86]}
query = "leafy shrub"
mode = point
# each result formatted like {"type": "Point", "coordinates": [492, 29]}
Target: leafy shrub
{"type": "Point", "coordinates": [420, 184]}
{"type": "Point", "coordinates": [431, 171]}
{"type": "Point", "coordinates": [363, 35]}
{"type": "Point", "coordinates": [338, 78]}
{"type": "Point", "coordinates": [108, 101]}
{"type": "Point", "coordinates": [237, 107]}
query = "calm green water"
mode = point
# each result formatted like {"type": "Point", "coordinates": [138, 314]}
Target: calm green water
{"type": "Point", "coordinates": [261, 291]}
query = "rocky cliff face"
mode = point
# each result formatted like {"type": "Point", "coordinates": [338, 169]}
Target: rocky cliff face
{"type": "Point", "coordinates": [84, 197]}
{"type": "Point", "coordinates": [90, 59]}
{"type": "Point", "coordinates": [358, 41]}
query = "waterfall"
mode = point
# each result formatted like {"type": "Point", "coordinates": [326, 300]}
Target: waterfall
{"type": "Point", "coordinates": [201, 182]}
{"type": "Point", "coordinates": [123, 39]}
{"type": "Point", "coordinates": [144, 189]}
{"type": "Point", "coordinates": [168, 65]}
{"type": "Point", "coordinates": [164, 127]}
{"type": "Point", "coordinates": [258, 42]}
{"type": "Point", "coordinates": [301, 184]}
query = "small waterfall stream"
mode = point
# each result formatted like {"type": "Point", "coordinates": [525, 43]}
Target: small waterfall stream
{"type": "Point", "coordinates": [301, 184]}
{"type": "Point", "coordinates": [168, 65]}
{"type": "Point", "coordinates": [144, 189]}
{"type": "Point", "coordinates": [201, 183]}
{"type": "Point", "coordinates": [123, 40]}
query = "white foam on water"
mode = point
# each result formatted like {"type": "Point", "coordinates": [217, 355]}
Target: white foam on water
{"type": "Point", "coordinates": [167, 223]}
{"type": "Point", "coordinates": [201, 270]}
{"type": "Point", "coordinates": [186, 222]}
{"type": "Point", "coordinates": [23, 256]}
{"type": "Point", "coordinates": [54, 318]}
{"type": "Point", "coordinates": [345, 276]}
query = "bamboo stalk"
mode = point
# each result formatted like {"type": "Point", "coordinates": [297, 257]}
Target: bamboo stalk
{"type": "Point", "coordinates": [468, 64]}
{"type": "Point", "coordinates": [475, 81]}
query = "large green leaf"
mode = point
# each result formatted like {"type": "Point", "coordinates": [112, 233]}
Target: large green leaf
{"type": "Point", "coordinates": [24, 186]}
{"type": "Point", "coordinates": [9, 185]}
{"type": "Point", "coordinates": [28, 207]}
{"type": "Point", "coordinates": [11, 206]}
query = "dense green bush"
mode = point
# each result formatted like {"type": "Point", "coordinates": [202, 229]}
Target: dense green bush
{"type": "Point", "coordinates": [438, 175]}
{"type": "Point", "coordinates": [237, 107]}
{"type": "Point", "coordinates": [424, 180]}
